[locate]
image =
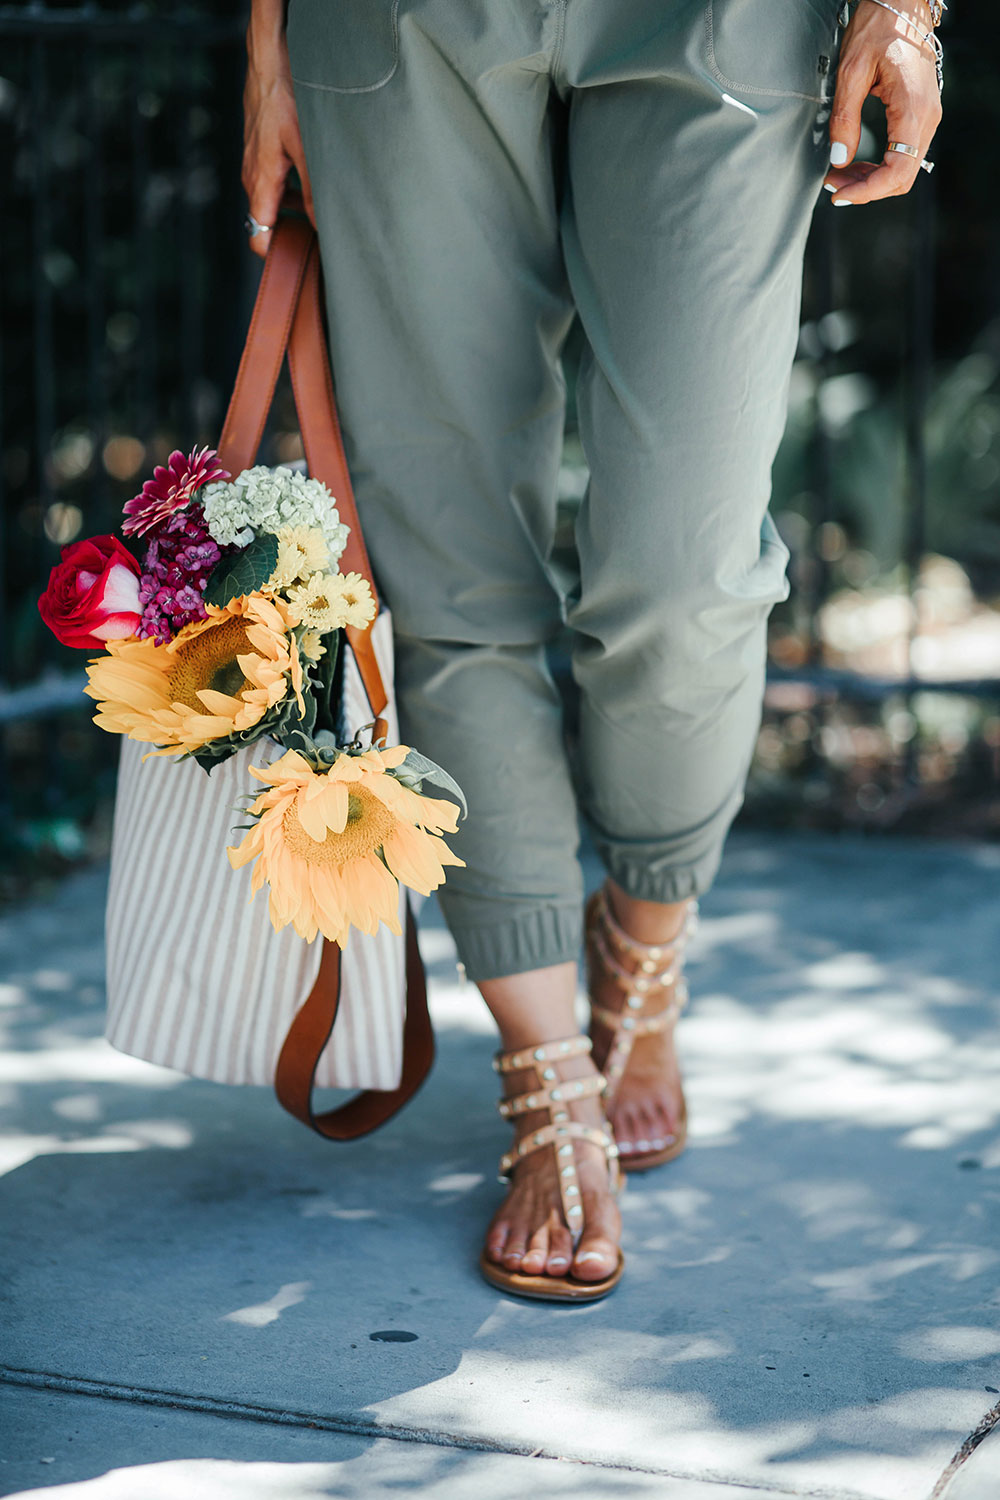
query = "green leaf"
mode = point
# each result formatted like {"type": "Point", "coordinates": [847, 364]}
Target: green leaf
{"type": "Point", "coordinates": [243, 572]}
{"type": "Point", "coordinates": [323, 673]}
{"type": "Point", "coordinates": [416, 769]}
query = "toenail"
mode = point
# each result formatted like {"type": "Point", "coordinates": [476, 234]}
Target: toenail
{"type": "Point", "coordinates": [642, 1145]}
{"type": "Point", "coordinates": [558, 1260]}
{"type": "Point", "coordinates": [624, 1146]}
{"type": "Point", "coordinates": [590, 1255]}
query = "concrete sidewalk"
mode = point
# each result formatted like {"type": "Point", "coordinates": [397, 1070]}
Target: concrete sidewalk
{"type": "Point", "coordinates": [197, 1293]}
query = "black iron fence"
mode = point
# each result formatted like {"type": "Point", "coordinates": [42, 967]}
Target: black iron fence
{"type": "Point", "coordinates": [124, 288]}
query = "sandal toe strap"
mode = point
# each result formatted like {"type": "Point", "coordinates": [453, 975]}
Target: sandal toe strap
{"type": "Point", "coordinates": [562, 1136]}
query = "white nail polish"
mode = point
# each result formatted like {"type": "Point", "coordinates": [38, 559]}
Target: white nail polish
{"type": "Point", "coordinates": [558, 1260]}
{"type": "Point", "coordinates": [589, 1255]}
{"type": "Point", "coordinates": [842, 203]}
{"type": "Point", "coordinates": [829, 187]}
{"type": "Point", "coordinates": [838, 154]}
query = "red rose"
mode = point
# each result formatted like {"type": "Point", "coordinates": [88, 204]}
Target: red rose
{"type": "Point", "coordinates": [93, 594]}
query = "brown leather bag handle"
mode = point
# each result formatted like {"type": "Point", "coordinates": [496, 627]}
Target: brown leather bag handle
{"type": "Point", "coordinates": [287, 316]}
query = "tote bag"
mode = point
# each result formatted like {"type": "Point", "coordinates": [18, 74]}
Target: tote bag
{"type": "Point", "coordinates": [197, 978]}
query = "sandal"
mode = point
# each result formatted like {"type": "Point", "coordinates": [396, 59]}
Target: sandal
{"type": "Point", "coordinates": [659, 969]}
{"type": "Point", "coordinates": [560, 1134]}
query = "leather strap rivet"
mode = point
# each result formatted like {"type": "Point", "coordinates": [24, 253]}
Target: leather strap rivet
{"type": "Point", "coordinates": [565, 1150]}
{"type": "Point", "coordinates": [555, 1093]}
{"type": "Point", "coordinates": [548, 1074]}
{"type": "Point", "coordinates": [539, 1054]}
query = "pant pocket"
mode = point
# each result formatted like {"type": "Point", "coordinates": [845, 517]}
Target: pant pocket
{"type": "Point", "coordinates": [785, 49]}
{"type": "Point", "coordinates": [345, 46]}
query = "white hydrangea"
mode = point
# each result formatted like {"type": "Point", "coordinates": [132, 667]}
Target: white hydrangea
{"type": "Point", "coordinates": [263, 499]}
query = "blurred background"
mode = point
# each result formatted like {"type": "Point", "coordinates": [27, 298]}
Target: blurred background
{"type": "Point", "coordinates": [125, 286]}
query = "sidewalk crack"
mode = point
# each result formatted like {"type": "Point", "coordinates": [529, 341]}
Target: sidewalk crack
{"type": "Point", "coordinates": [395, 1432]}
{"type": "Point", "coordinates": [969, 1447]}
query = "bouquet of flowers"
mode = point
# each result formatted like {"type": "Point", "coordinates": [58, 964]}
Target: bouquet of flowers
{"type": "Point", "coordinates": [227, 632]}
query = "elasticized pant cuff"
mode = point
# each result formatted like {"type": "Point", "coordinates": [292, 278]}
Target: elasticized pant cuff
{"type": "Point", "coordinates": [529, 938]}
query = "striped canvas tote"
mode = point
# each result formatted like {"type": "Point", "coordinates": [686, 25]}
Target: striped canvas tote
{"type": "Point", "coordinates": [197, 978]}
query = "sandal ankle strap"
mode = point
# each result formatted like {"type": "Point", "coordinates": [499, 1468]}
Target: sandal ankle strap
{"type": "Point", "coordinates": [647, 953]}
{"type": "Point", "coordinates": [625, 1025]}
{"type": "Point", "coordinates": [571, 1046]}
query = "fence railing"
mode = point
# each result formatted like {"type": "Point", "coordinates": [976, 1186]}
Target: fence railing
{"type": "Point", "coordinates": [124, 288]}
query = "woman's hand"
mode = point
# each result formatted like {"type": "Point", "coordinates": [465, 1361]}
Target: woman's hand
{"type": "Point", "coordinates": [883, 55]}
{"type": "Point", "coordinates": [272, 143]}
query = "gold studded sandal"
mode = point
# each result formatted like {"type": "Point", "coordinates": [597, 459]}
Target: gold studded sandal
{"type": "Point", "coordinates": [658, 971]}
{"type": "Point", "coordinates": [560, 1133]}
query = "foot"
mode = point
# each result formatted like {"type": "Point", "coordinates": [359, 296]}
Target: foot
{"type": "Point", "coordinates": [645, 1105]}
{"type": "Point", "coordinates": [528, 1233]}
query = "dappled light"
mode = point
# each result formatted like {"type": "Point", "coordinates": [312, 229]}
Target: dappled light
{"type": "Point", "coordinates": [807, 1290]}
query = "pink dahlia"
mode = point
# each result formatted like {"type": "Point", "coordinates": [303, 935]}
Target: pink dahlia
{"type": "Point", "coordinates": [171, 488]}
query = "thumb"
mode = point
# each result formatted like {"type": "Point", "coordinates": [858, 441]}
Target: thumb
{"type": "Point", "coordinates": [853, 87]}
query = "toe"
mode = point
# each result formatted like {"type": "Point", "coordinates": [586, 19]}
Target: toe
{"type": "Point", "coordinates": [496, 1240]}
{"type": "Point", "coordinates": [627, 1130]}
{"type": "Point", "coordinates": [534, 1259]}
{"type": "Point", "coordinates": [513, 1251]}
{"type": "Point", "coordinates": [560, 1251]}
{"type": "Point", "coordinates": [597, 1252]}
{"type": "Point", "coordinates": [596, 1258]}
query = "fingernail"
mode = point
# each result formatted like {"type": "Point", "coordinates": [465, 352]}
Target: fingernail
{"type": "Point", "coordinates": [842, 203]}
{"type": "Point", "coordinates": [838, 154]}
{"type": "Point", "coordinates": [829, 187]}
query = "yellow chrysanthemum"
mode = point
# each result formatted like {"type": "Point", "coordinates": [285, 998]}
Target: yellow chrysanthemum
{"type": "Point", "coordinates": [216, 677]}
{"type": "Point", "coordinates": [311, 645]}
{"type": "Point", "coordinates": [328, 601]}
{"type": "Point", "coordinates": [302, 551]}
{"type": "Point", "coordinates": [319, 836]}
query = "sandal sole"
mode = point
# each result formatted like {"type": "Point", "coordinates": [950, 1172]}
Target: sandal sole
{"type": "Point", "coordinates": [550, 1288]}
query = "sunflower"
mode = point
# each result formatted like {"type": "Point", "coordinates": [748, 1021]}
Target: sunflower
{"type": "Point", "coordinates": [329, 601]}
{"type": "Point", "coordinates": [217, 677]}
{"type": "Point", "coordinates": [332, 845]}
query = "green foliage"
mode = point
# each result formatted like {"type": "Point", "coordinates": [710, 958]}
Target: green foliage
{"type": "Point", "coordinates": [244, 572]}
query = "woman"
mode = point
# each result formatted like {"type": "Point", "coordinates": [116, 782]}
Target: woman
{"type": "Point", "coordinates": [478, 172]}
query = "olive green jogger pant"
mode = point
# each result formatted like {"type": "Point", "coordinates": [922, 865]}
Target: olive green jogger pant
{"type": "Point", "coordinates": [483, 169]}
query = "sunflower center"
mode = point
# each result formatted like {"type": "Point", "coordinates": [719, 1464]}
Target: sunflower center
{"type": "Point", "coordinates": [369, 824]}
{"type": "Point", "coordinates": [209, 661]}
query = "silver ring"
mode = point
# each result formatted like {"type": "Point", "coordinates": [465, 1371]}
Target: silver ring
{"type": "Point", "coordinates": [252, 226]}
{"type": "Point", "coordinates": [902, 147]}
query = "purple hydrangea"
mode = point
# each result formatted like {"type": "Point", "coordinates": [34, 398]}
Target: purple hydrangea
{"type": "Point", "coordinates": [178, 563]}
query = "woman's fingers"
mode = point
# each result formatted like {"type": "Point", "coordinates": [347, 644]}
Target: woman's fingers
{"type": "Point", "coordinates": [265, 197]}
{"type": "Point", "coordinates": [855, 77]}
{"type": "Point", "coordinates": [885, 55]}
